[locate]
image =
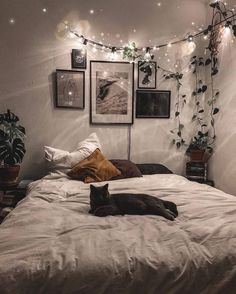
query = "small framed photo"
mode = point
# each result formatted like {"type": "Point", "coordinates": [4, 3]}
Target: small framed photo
{"type": "Point", "coordinates": [153, 104]}
{"type": "Point", "coordinates": [147, 72]}
{"type": "Point", "coordinates": [111, 92]}
{"type": "Point", "coordinates": [70, 89]}
{"type": "Point", "coordinates": [79, 58]}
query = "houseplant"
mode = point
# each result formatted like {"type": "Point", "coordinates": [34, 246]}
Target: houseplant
{"type": "Point", "coordinates": [12, 148]}
{"type": "Point", "coordinates": [200, 147]}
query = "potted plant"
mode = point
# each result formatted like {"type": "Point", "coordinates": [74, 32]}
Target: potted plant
{"type": "Point", "coordinates": [200, 147]}
{"type": "Point", "coordinates": [12, 148]}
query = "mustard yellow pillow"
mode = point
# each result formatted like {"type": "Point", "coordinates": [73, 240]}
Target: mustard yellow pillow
{"type": "Point", "coordinates": [95, 168]}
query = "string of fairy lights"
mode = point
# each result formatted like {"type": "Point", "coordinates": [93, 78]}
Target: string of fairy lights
{"type": "Point", "coordinates": [130, 51]}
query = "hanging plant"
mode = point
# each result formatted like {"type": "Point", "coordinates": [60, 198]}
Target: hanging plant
{"type": "Point", "coordinates": [178, 140]}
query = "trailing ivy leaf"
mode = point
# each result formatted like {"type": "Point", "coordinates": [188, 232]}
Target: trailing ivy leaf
{"type": "Point", "coordinates": [181, 126]}
{"type": "Point", "coordinates": [182, 141]}
{"type": "Point", "coordinates": [204, 88]}
{"type": "Point", "coordinates": [209, 149]}
{"type": "Point", "coordinates": [214, 71]}
{"type": "Point", "coordinates": [194, 93]}
{"type": "Point", "coordinates": [217, 93]}
{"type": "Point", "coordinates": [177, 113]}
{"type": "Point", "coordinates": [173, 141]}
{"type": "Point", "coordinates": [199, 91]}
{"type": "Point", "coordinates": [178, 145]}
{"type": "Point", "coordinates": [179, 133]}
{"type": "Point", "coordinates": [185, 101]}
{"type": "Point", "coordinates": [183, 96]}
{"type": "Point", "coordinates": [172, 132]}
{"type": "Point", "coordinates": [201, 63]}
{"type": "Point", "coordinates": [215, 111]}
{"type": "Point", "coordinates": [194, 117]}
{"type": "Point", "coordinates": [197, 103]}
{"type": "Point", "coordinates": [204, 125]}
{"type": "Point", "coordinates": [208, 61]}
{"type": "Point", "coordinates": [212, 122]}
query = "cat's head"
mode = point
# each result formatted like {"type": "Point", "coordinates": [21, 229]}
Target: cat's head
{"type": "Point", "coordinates": [99, 196]}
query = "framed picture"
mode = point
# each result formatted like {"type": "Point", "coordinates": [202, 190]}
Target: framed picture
{"type": "Point", "coordinates": [153, 104]}
{"type": "Point", "coordinates": [79, 58]}
{"type": "Point", "coordinates": [111, 92]}
{"type": "Point", "coordinates": [147, 74]}
{"type": "Point", "coordinates": [69, 89]}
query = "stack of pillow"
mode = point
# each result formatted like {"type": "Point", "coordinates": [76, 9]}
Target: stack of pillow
{"type": "Point", "coordinates": [88, 164]}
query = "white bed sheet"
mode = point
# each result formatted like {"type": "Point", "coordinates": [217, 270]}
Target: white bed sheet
{"type": "Point", "coordinates": [50, 244]}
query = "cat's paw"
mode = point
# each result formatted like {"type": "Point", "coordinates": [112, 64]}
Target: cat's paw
{"type": "Point", "coordinates": [101, 212]}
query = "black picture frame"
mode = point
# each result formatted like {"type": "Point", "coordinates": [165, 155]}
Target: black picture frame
{"type": "Point", "coordinates": [153, 104]}
{"type": "Point", "coordinates": [114, 78]}
{"type": "Point", "coordinates": [70, 89]}
{"type": "Point", "coordinates": [145, 80]}
{"type": "Point", "coordinates": [79, 58]}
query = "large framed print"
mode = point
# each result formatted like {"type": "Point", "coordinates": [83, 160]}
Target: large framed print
{"type": "Point", "coordinates": [111, 92]}
{"type": "Point", "coordinates": [152, 104]}
{"type": "Point", "coordinates": [147, 71]}
{"type": "Point", "coordinates": [70, 89]}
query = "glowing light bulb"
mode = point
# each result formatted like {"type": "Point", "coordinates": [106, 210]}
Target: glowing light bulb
{"type": "Point", "coordinates": [44, 10]}
{"type": "Point", "coordinates": [227, 31]}
{"type": "Point", "coordinates": [91, 11]}
{"type": "Point", "coordinates": [159, 4]}
{"type": "Point", "coordinates": [12, 21]}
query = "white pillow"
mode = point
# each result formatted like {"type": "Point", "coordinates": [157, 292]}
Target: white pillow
{"type": "Point", "coordinates": [63, 159]}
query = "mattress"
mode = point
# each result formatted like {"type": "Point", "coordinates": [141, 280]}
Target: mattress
{"type": "Point", "coordinates": [50, 244]}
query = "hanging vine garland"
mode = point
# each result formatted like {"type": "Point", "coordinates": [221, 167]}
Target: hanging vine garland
{"type": "Point", "coordinates": [222, 17]}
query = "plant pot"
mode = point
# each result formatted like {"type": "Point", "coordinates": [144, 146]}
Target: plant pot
{"type": "Point", "coordinates": [197, 155]}
{"type": "Point", "coordinates": [9, 175]}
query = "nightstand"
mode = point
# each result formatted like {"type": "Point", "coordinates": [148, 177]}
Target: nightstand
{"type": "Point", "coordinates": [10, 196]}
{"type": "Point", "coordinates": [197, 171]}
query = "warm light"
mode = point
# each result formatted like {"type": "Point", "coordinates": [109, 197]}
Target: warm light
{"type": "Point", "coordinates": [169, 45]}
{"type": "Point", "coordinates": [44, 10]}
{"type": "Point", "coordinates": [227, 31]}
{"type": "Point", "coordinates": [12, 21]}
{"type": "Point", "coordinates": [159, 4]}
{"type": "Point", "coordinates": [91, 11]}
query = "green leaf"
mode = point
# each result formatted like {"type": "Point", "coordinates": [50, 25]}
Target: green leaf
{"type": "Point", "coordinates": [177, 113]}
{"type": "Point", "coordinates": [201, 111]}
{"type": "Point", "coordinates": [204, 88]}
{"type": "Point", "coordinates": [215, 111]}
{"type": "Point", "coordinates": [208, 61]}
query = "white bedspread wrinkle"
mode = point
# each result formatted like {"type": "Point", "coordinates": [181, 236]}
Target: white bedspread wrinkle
{"type": "Point", "coordinates": [50, 244]}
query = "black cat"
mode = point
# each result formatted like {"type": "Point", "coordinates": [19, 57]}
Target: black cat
{"type": "Point", "coordinates": [103, 204]}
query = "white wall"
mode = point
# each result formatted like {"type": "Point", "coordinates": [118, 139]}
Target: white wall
{"type": "Point", "coordinates": [31, 50]}
{"type": "Point", "coordinates": [223, 161]}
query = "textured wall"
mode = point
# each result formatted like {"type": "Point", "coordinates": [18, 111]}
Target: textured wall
{"type": "Point", "coordinates": [31, 50]}
{"type": "Point", "coordinates": [223, 162]}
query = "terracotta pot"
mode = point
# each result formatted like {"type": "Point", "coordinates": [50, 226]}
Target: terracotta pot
{"type": "Point", "coordinates": [9, 175]}
{"type": "Point", "coordinates": [197, 155]}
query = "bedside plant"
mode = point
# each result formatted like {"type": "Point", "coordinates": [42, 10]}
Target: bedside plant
{"type": "Point", "coordinates": [200, 146]}
{"type": "Point", "coordinates": [12, 148]}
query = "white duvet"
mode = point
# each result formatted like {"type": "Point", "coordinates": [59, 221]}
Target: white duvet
{"type": "Point", "coordinates": [50, 244]}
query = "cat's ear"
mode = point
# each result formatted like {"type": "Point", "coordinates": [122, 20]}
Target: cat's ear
{"type": "Point", "coordinates": [92, 187]}
{"type": "Point", "coordinates": [106, 186]}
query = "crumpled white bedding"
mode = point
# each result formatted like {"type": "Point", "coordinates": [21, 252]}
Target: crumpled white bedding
{"type": "Point", "coordinates": [50, 244]}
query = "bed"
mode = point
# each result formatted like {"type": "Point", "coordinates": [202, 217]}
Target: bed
{"type": "Point", "coordinates": [50, 244]}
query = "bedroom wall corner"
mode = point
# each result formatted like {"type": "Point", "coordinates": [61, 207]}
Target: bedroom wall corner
{"type": "Point", "coordinates": [223, 161]}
